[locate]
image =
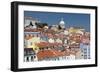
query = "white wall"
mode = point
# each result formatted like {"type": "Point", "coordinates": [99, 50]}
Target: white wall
{"type": "Point", "coordinates": [5, 17]}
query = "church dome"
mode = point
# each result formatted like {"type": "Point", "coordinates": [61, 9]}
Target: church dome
{"type": "Point", "coordinates": [62, 22]}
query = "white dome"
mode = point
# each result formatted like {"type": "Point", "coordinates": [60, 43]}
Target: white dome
{"type": "Point", "coordinates": [62, 22]}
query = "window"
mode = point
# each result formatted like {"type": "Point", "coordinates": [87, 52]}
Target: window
{"type": "Point", "coordinates": [27, 59]}
{"type": "Point", "coordinates": [85, 56]}
{"type": "Point", "coordinates": [85, 52]}
{"type": "Point", "coordinates": [34, 57]}
{"type": "Point", "coordinates": [31, 58]}
{"type": "Point", "coordinates": [82, 55]}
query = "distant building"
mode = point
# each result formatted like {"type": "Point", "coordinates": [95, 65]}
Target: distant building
{"type": "Point", "coordinates": [66, 32]}
{"type": "Point", "coordinates": [72, 57]}
{"type": "Point", "coordinates": [30, 39]}
{"type": "Point", "coordinates": [85, 49]}
{"type": "Point", "coordinates": [51, 40]}
{"type": "Point", "coordinates": [30, 22]}
{"type": "Point", "coordinates": [43, 37]}
{"type": "Point", "coordinates": [58, 40]}
{"type": "Point", "coordinates": [76, 30]}
{"type": "Point", "coordinates": [29, 55]}
{"type": "Point", "coordinates": [62, 24]}
{"type": "Point", "coordinates": [54, 27]}
{"type": "Point", "coordinates": [59, 26]}
{"type": "Point", "coordinates": [41, 25]}
{"type": "Point", "coordinates": [79, 54]}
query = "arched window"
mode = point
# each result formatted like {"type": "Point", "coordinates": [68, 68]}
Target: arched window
{"type": "Point", "coordinates": [31, 58]}
{"type": "Point", "coordinates": [34, 57]}
{"type": "Point", "coordinates": [27, 59]}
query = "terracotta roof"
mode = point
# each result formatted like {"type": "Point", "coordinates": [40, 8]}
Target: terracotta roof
{"type": "Point", "coordinates": [32, 30]}
{"type": "Point", "coordinates": [45, 54]}
{"type": "Point", "coordinates": [50, 54]}
{"type": "Point", "coordinates": [42, 44]}
{"type": "Point", "coordinates": [28, 37]}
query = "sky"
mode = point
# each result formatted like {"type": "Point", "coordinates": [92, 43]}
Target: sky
{"type": "Point", "coordinates": [70, 19]}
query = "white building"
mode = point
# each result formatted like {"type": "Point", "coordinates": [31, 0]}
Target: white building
{"type": "Point", "coordinates": [58, 40]}
{"type": "Point", "coordinates": [30, 22]}
{"type": "Point", "coordinates": [66, 32]}
{"type": "Point", "coordinates": [29, 55]}
{"type": "Point", "coordinates": [69, 57]}
{"type": "Point", "coordinates": [72, 57]}
{"type": "Point", "coordinates": [85, 49]}
{"type": "Point", "coordinates": [51, 40]}
{"type": "Point", "coordinates": [62, 23]}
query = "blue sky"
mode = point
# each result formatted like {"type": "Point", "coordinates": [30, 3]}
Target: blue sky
{"type": "Point", "coordinates": [71, 19]}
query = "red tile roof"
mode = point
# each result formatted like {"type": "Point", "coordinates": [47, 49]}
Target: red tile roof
{"type": "Point", "coordinates": [51, 54]}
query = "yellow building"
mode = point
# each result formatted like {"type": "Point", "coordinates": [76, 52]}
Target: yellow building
{"type": "Point", "coordinates": [31, 41]}
{"type": "Point", "coordinates": [76, 30]}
